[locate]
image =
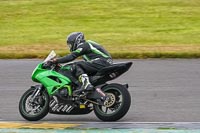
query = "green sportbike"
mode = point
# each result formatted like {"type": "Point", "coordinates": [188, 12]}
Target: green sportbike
{"type": "Point", "coordinates": [57, 93]}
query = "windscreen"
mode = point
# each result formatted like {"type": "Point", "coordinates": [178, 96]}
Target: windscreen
{"type": "Point", "coordinates": [51, 55]}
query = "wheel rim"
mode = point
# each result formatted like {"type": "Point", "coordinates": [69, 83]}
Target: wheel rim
{"type": "Point", "coordinates": [114, 103]}
{"type": "Point", "coordinates": [35, 107]}
{"type": "Point", "coordinates": [111, 101]}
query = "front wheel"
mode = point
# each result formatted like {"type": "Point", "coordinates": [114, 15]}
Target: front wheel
{"type": "Point", "coordinates": [117, 105]}
{"type": "Point", "coordinates": [34, 109]}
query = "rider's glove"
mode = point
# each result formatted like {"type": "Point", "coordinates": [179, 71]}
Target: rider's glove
{"type": "Point", "coordinates": [50, 62]}
{"type": "Point", "coordinates": [53, 61]}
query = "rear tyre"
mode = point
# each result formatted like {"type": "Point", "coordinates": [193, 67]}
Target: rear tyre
{"type": "Point", "coordinates": [34, 109]}
{"type": "Point", "coordinates": [117, 106]}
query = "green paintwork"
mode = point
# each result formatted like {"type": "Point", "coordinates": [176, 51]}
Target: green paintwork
{"type": "Point", "coordinates": [41, 75]}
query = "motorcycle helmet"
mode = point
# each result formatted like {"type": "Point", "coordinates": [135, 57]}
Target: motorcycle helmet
{"type": "Point", "coordinates": [73, 39]}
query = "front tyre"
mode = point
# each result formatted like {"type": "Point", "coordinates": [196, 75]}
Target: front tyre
{"type": "Point", "coordinates": [34, 109]}
{"type": "Point", "coordinates": [118, 104]}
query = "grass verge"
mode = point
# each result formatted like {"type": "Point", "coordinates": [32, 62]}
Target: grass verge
{"type": "Point", "coordinates": [127, 28]}
{"type": "Point", "coordinates": [126, 52]}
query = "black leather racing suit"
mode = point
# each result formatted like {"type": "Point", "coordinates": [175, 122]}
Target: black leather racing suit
{"type": "Point", "coordinates": [95, 56]}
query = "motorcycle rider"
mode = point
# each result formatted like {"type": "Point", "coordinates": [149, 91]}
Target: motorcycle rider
{"type": "Point", "coordinates": [95, 56]}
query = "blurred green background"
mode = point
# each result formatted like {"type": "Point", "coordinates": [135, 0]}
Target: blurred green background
{"type": "Point", "coordinates": [126, 28]}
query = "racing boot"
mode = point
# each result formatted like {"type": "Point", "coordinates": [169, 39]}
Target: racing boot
{"type": "Point", "coordinates": [86, 85]}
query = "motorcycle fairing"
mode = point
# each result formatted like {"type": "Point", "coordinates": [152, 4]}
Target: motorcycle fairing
{"type": "Point", "coordinates": [51, 79]}
{"type": "Point", "coordinates": [110, 73]}
{"type": "Point", "coordinates": [58, 105]}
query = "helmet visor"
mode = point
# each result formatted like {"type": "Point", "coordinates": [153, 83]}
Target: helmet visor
{"type": "Point", "coordinates": [69, 45]}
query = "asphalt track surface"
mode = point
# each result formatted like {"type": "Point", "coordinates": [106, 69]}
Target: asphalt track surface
{"type": "Point", "coordinates": [161, 90]}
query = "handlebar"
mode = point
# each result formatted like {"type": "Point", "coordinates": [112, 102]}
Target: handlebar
{"type": "Point", "coordinates": [50, 65]}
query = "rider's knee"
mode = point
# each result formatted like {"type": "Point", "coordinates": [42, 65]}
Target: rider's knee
{"type": "Point", "coordinates": [77, 70]}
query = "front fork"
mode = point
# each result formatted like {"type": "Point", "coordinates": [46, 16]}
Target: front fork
{"type": "Point", "coordinates": [37, 91]}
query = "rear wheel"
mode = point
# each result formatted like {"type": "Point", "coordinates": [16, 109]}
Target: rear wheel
{"type": "Point", "coordinates": [117, 105]}
{"type": "Point", "coordinates": [34, 109]}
